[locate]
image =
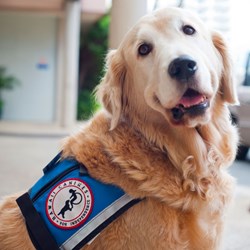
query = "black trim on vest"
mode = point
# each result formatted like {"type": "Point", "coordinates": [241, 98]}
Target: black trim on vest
{"type": "Point", "coordinates": [38, 232]}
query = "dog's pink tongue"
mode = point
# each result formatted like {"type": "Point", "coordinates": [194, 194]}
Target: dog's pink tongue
{"type": "Point", "coordinates": [191, 98]}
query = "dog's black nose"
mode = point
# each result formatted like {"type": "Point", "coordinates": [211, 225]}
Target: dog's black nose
{"type": "Point", "coordinates": [182, 68]}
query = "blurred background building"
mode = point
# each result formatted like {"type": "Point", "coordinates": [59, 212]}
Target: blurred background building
{"type": "Point", "coordinates": [55, 50]}
{"type": "Point", "coordinates": [39, 45]}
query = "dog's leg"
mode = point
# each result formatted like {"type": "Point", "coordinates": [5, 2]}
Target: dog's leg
{"type": "Point", "coordinates": [13, 232]}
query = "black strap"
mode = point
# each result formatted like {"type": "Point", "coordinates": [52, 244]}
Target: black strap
{"type": "Point", "coordinates": [52, 163]}
{"type": "Point", "coordinates": [39, 234]}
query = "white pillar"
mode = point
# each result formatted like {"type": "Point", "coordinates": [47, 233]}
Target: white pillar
{"type": "Point", "coordinates": [124, 14]}
{"type": "Point", "coordinates": [70, 62]}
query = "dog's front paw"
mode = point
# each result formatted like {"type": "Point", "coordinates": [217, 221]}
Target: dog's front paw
{"type": "Point", "coordinates": [193, 179]}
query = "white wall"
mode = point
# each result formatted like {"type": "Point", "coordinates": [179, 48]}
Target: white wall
{"type": "Point", "coordinates": [25, 41]}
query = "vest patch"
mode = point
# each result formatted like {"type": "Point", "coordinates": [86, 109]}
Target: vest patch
{"type": "Point", "coordinates": [69, 203]}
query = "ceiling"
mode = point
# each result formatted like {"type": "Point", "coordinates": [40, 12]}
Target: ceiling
{"type": "Point", "coordinates": [35, 5]}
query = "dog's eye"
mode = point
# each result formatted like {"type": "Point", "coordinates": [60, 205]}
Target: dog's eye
{"type": "Point", "coordinates": [144, 49]}
{"type": "Point", "coordinates": [188, 30]}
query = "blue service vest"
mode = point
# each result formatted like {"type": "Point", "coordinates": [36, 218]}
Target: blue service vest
{"type": "Point", "coordinates": [67, 208]}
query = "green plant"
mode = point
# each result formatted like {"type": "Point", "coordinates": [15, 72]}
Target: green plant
{"type": "Point", "coordinates": [87, 105]}
{"type": "Point", "coordinates": [93, 48]}
{"type": "Point", "coordinates": [7, 82]}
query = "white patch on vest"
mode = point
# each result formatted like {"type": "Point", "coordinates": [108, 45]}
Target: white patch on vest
{"type": "Point", "coordinates": [69, 203]}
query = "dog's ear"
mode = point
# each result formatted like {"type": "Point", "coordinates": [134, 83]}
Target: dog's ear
{"type": "Point", "coordinates": [109, 92]}
{"type": "Point", "coordinates": [227, 86]}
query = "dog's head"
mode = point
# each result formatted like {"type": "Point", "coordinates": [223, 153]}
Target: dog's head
{"type": "Point", "coordinates": [169, 68]}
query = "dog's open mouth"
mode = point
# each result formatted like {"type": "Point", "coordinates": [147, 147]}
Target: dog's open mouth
{"type": "Point", "coordinates": [192, 102]}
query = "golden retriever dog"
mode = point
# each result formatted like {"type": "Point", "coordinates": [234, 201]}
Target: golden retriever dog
{"type": "Point", "coordinates": [165, 136]}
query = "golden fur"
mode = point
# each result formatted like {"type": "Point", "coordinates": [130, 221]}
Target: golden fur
{"type": "Point", "coordinates": [179, 169]}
